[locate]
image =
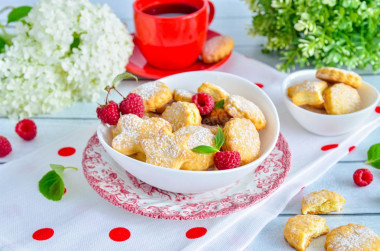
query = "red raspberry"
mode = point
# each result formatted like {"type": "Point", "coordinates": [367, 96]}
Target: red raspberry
{"type": "Point", "coordinates": [5, 147]}
{"type": "Point", "coordinates": [108, 113]}
{"type": "Point", "coordinates": [134, 104]}
{"type": "Point", "coordinates": [204, 102]}
{"type": "Point", "coordinates": [227, 160]}
{"type": "Point", "coordinates": [26, 129]}
{"type": "Point", "coordinates": [363, 177]}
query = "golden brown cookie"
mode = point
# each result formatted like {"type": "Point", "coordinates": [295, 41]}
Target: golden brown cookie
{"type": "Point", "coordinates": [301, 229]}
{"type": "Point", "coordinates": [181, 114]}
{"type": "Point", "coordinates": [139, 156]}
{"type": "Point", "coordinates": [132, 129]}
{"type": "Point", "coordinates": [341, 99]}
{"type": "Point", "coordinates": [167, 149]}
{"type": "Point", "coordinates": [217, 48]}
{"type": "Point", "coordinates": [308, 93]}
{"type": "Point", "coordinates": [198, 136]}
{"type": "Point", "coordinates": [216, 92]}
{"type": "Point", "coordinates": [216, 117]}
{"type": "Point", "coordinates": [182, 95]}
{"type": "Point", "coordinates": [148, 115]}
{"type": "Point", "coordinates": [239, 107]}
{"type": "Point", "coordinates": [154, 94]}
{"type": "Point", "coordinates": [322, 202]}
{"type": "Point", "coordinates": [314, 109]}
{"type": "Point", "coordinates": [334, 75]}
{"type": "Point", "coordinates": [213, 129]}
{"type": "Point", "coordinates": [352, 237]}
{"type": "Point", "coordinates": [242, 136]}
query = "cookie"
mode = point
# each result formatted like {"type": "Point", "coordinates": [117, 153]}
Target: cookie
{"type": "Point", "coordinates": [341, 99]}
{"type": "Point", "coordinates": [154, 94]}
{"type": "Point", "coordinates": [241, 136]}
{"type": "Point", "coordinates": [139, 156]}
{"type": "Point", "coordinates": [132, 129]}
{"type": "Point", "coordinates": [181, 114]}
{"type": "Point", "coordinates": [239, 107]}
{"type": "Point", "coordinates": [301, 229]}
{"type": "Point", "coordinates": [322, 202]}
{"type": "Point", "coordinates": [148, 115]}
{"type": "Point", "coordinates": [315, 109]}
{"type": "Point", "coordinates": [213, 129]}
{"type": "Point", "coordinates": [334, 75]}
{"type": "Point", "coordinates": [352, 237]}
{"type": "Point", "coordinates": [198, 136]}
{"type": "Point", "coordinates": [308, 93]}
{"type": "Point", "coordinates": [217, 48]}
{"type": "Point", "coordinates": [216, 92]}
{"type": "Point", "coordinates": [166, 149]}
{"type": "Point", "coordinates": [216, 117]}
{"type": "Point", "coordinates": [182, 95]}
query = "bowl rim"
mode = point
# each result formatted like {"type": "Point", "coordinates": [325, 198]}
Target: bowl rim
{"type": "Point", "coordinates": [262, 157]}
{"type": "Point", "coordinates": [286, 82]}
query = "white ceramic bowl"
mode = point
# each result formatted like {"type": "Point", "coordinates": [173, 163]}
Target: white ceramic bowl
{"type": "Point", "coordinates": [329, 125]}
{"type": "Point", "coordinates": [183, 181]}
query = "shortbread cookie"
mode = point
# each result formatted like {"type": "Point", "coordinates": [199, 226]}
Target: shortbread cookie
{"type": "Point", "coordinates": [216, 92]}
{"type": "Point", "coordinates": [182, 95]}
{"type": "Point", "coordinates": [242, 136]}
{"type": "Point", "coordinates": [139, 156]}
{"type": "Point", "coordinates": [133, 129]}
{"type": "Point", "coordinates": [217, 48]}
{"type": "Point", "coordinates": [216, 117]}
{"type": "Point", "coordinates": [322, 202]}
{"type": "Point", "coordinates": [314, 109]}
{"type": "Point", "coordinates": [341, 99]}
{"type": "Point", "coordinates": [301, 229]}
{"type": "Point", "coordinates": [307, 93]}
{"type": "Point", "coordinates": [154, 94]}
{"type": "Point", "coordinates": [213, 129]}
{"type": "Point", "coordinates": [198, 136]}
{"type": "Point", "coordinates": [239, 107]}
{"type": "Point", "coordinates": [148, 115]}
{"type": "Point", "coordinates": [163, 108]}
{"type": "Point", "coordinates": [352, 237]}
{"type": "Point", "coordinates": [167, 149]}
{"type": "Point", "coordinates": [181, 114]}
{"type": "Point", "coordinates": [334, 75]}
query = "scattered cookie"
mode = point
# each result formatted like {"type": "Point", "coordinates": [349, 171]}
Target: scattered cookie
{"type": "Point", "coordinates": [217, 48]}
{"type": "Point", "coordinates": [308, 93]}
{"type": "Point", "coordinates": [242, 136]}
{"type": "Point", "coordinates": [216, 117]}
{"type": "Point", "coordinates": [352, 237]}
{"type": "Point", "coordinates": [239, 107]}
{"type": "Point", "coordinates": [182, 95]}
{"type": "Point", "coordinates": [216, 92]}
{"type": "Point", "coordinates": [154, 94]}
{"type": "Point", "coordinates": [198, 136]}
{"type": "Point", "coordinates": [334, 75]}
{"type": "Point", "coordinates": [181, 114]}
{"type": "Point", "coordinates": [341, 99]}
{"type": "Point", "coordinates": [301, 229]}
{"type": "Point", "coordinates": [322, 202]}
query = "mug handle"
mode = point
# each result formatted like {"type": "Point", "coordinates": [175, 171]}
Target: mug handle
{"type": "Point", "coordinates": [211, 12]}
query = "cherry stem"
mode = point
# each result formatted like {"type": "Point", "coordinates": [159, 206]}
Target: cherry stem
{"type": "Point", "coordinates": [113, 87]}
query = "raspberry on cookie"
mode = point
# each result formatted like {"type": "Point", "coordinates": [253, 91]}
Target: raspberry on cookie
{"type": "Point", "coordinates": [154, 94]}
{"type": "Point", "coordinates": [341, 99]}
{"type": "Point", "coordinates": [334, 75]}
{"type": "Point", "coordinates": [181, 114]}
{"type": "Point", "coordinates": [217, 48]}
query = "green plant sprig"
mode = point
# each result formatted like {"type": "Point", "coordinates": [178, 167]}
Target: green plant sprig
{"type": "Point", "coordinates": [218, 142]}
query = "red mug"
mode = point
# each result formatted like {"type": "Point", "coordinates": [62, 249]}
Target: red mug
{"type": "Point", "coordinates": [173, 42]}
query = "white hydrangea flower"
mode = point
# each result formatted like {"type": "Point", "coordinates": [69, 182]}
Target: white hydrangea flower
{"type": "Point", "coordinates": [41, 74]}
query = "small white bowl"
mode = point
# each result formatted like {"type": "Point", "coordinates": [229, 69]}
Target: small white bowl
{"type": "Point", "coordinates": [182, 181]}
{"type": "Point", "coordinates": [329, 125]}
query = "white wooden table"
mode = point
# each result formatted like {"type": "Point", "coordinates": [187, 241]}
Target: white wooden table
{"type": "Point", "coordinates": [232, 18]}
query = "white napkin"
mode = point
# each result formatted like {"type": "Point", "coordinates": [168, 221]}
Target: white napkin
{"type": "Point", "coordinates": [82, 220]}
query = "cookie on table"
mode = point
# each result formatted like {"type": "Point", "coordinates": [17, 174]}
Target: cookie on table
{"type": "Point", "coordinates": [352, 237]}
{"type": "Point", "coordinates": [216, 92]}
{"type": "Point", "coordinates": [241, 136]}
{"type": "Point", "coordinates": [334, 75]}
{"type": "Point", "coordinates": [216, 117]}
{"type": "Point", "coordinates": [239, 107]}
{"type": "Point", "coordinates": [182, 95]}
{"type": "Point", "coordinates": [154, 94]}
{"type": "Point", "coordinates": [181, 114]}
{"type": "Point", "coordinates": [217, 48]}
{"type": "Point", "coordinates": [322, 202]}
{"type": "Point", "coordinates": [308, 93]}
{"type": "Point", "coordinates": [198, 136]}
{"type": "Point", "coordinates": [341, 99]}
{"type": "Point", "coordinates": [301, 229]}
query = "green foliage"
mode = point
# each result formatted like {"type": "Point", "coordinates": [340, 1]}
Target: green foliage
{"type": "Point", "coordinates": [374, 156]}
{"type": "Point", "coordinates": [18, 13]}
{"type": "Point", "coordinates": [320, 32]}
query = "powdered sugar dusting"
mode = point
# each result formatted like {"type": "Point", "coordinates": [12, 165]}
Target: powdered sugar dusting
{"type": "Point", "coordinates": [356, 237]}
{"type": "Point", "coordinates": [148, 90]}
{"type": "Point", "coordinates": [344, 96]}
{"type": "Point", "coordinates": [198, 136]}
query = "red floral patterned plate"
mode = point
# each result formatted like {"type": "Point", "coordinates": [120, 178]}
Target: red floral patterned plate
{"type": "Point", "coordinates": [117, 186]}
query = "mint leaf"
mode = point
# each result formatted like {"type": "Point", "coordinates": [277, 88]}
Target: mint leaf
{"type": "Point", "coordinates": [18, 13]}
{"type": "Point", "coordinates": [219, 138]}
{"type": "Point", "coordinates": [205, 149]}
{"type": "Point", "coordinates": [374, 156]}
{"type": "Point", "coordinates": [2, 45]}
{"type": "Point", "coordinates": [122, 76]}
{"type": "Point", "coordinates": [76, 41]}
{"type": "Point", "coordinates": [219, 104]}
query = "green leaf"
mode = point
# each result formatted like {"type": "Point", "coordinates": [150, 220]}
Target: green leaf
{"type": "Point", "coordinates": [219, 138]}
{"type": "Point", "coordinates": [2, 45]}
{"type": "Point", "coordinates": [124, 75]}
{"type": "Point", "coordinates": [374, 156]}
{"type": "Point", "coordinates": [51, 186]}
{"type": "Point", "coordinates": [220, 104]}
{"type": "Point", "coordinates": [59, 168]}
{"type": "Point", "coordinates": [205, 149]}
{"type": "Point", "coordinates": [76, 41]}
{"type": "Point", "coordinates": [18, 13]}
